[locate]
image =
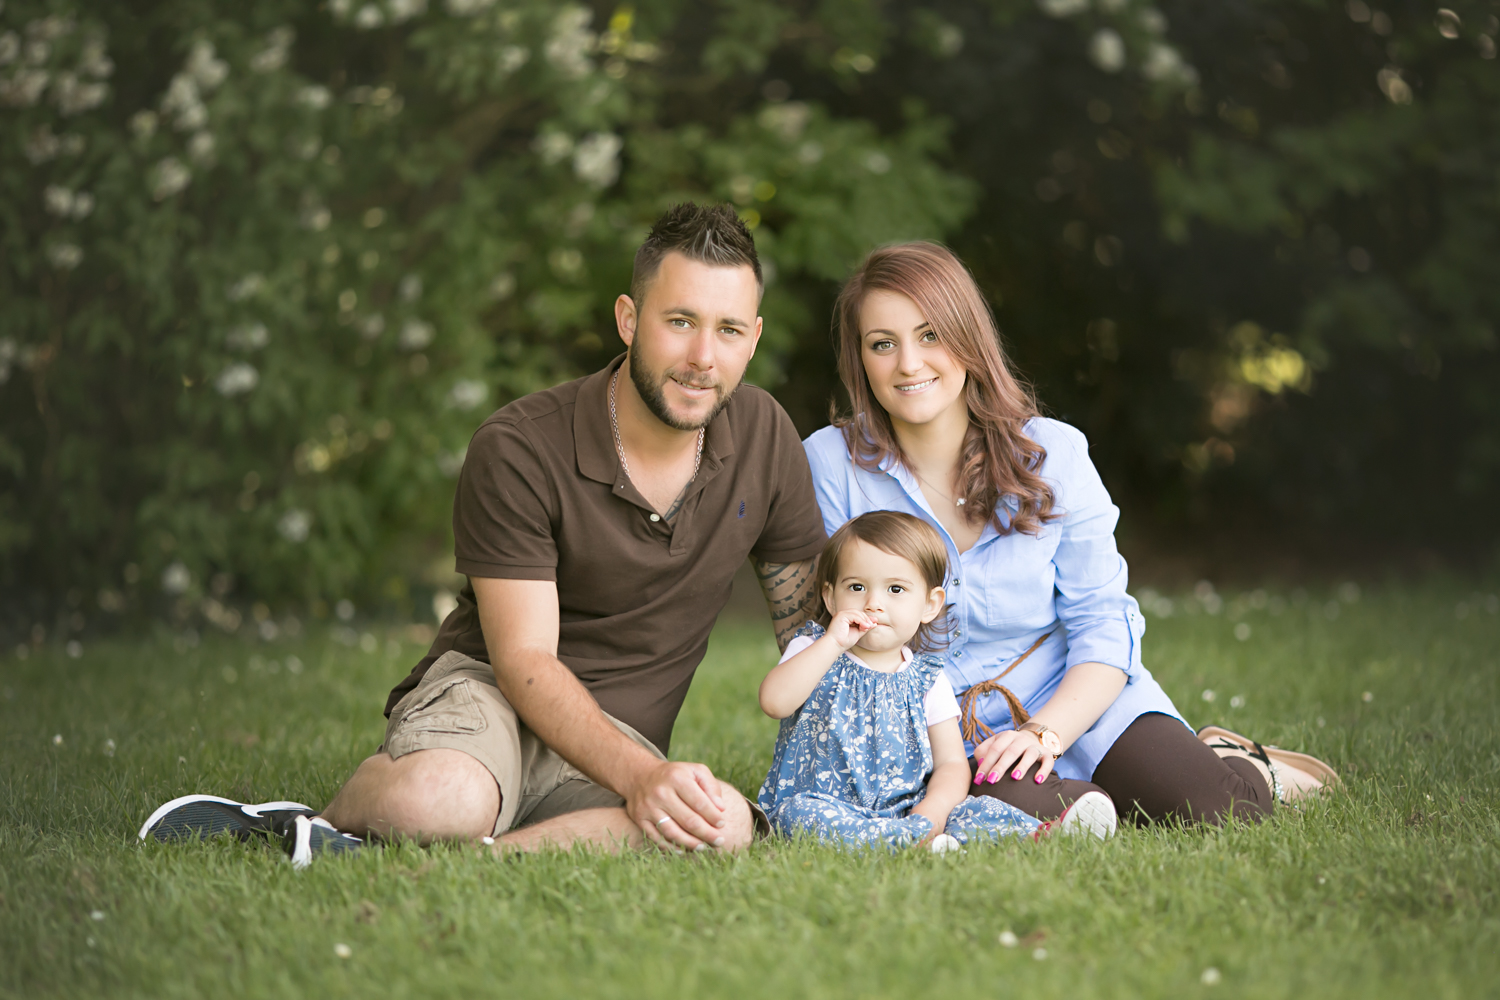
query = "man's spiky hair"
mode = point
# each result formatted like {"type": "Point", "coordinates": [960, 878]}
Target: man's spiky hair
{"type": "Point", "coordinates": [711, 234]}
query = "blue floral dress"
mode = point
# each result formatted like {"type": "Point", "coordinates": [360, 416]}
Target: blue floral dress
{"type": "Point", "coordinates": [855, 758]}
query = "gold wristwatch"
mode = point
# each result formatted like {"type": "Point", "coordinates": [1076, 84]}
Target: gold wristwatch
{"type": "Point", "coordinates": [1050, 741]}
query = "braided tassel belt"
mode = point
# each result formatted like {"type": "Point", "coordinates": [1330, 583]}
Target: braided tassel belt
{"type": "Point", "coordinates": [968, 705]}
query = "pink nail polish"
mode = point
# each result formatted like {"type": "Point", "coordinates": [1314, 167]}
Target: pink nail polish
{"type": "Point", "coordinates": [979, 778]}
{"type": "Point", "coordinates": [1016, 775]}
{"type": "Point", "coordinates": [994, 776]}
{"type": "Point", "coordinates": [1039, 779]}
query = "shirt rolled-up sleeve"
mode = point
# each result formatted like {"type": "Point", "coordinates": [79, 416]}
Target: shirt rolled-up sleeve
{"type": "Point", "coordinates": [1104, 622]}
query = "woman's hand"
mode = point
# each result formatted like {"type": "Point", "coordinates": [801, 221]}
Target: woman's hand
{"type": "Point", "coordinates": [1011, 754]}
{"type": "Point", "coordinates": [848, 626]}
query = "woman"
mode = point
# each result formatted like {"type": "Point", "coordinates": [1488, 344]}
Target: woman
{"type": "Point", "coordinates": [1044, 646]}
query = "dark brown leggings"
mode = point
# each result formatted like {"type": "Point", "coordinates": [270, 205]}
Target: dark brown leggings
{"type": "Point", "coordinates": [1157, 770]}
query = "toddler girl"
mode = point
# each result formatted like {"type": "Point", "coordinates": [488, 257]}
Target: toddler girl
{"type": "Point", "coordinates": [869, 750]}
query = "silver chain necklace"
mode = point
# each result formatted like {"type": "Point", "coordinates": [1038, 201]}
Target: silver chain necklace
{"type": "Point", "coordinates": [614, 423]}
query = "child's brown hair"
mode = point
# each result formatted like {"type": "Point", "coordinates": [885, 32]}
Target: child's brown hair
{"type": "Point", "coordinates": [904, 535]}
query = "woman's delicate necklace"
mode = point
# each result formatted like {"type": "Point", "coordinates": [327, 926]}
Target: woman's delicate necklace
{"type": "Point", "coordinates": [957, 503]}
{"type": "Point", "coordinates": [614, 423]}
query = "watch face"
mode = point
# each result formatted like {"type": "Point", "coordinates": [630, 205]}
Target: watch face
{"type": "Point", "coordinates": [1051, 743]}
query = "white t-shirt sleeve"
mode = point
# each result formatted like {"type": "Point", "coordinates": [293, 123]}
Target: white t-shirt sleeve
{"type": "Point", "coordinates": [942, 705]}
{"type": "Point", "coordinates": [800, 643]}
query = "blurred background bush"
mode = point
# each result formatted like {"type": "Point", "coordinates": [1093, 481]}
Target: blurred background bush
{"type": "Point", "coordinates": [264, 268]}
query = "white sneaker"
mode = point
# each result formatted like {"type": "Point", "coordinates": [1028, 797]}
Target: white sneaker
{"type": "Point", "coordinates": [1092, 812]}
{"type": "Point", "coordinates": [943, 843]}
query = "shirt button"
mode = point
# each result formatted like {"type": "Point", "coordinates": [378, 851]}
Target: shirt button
{"type": "Point", "coordinates": [656, 517]}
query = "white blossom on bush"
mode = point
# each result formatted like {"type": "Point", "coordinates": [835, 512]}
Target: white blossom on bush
{"type": "Point", "coordinates": [1063, 8]}
{"type": "Point", "coordinates": [571, 41]}
{"type": "Point", "coordinates": [1107, 50]}
{"type": "Point", "coordinates": [201, 146]}
{"type": "Point", "coordinates": [1163, 63]}
{"type": "Point", "coordinates": [512, 58]}
{"type": "Point", "coordinates": [415, 334]}
{"type": "Point", "coordinates": [596, 161]}
{"type": "Point", "coordinates": [405, 10]}
{"type": "Point", "coordinates": [411, 288]}
{"type": "Point", "coordinates": [65, 256]}
{"type": "Point", "coordinates": [314, 97]}
{"type": "Point", "coordinates": [295, 525]}
{"type": "Point", "coordinates": [10, 47]}
{"type": "Point", "coordinates": [787, 120]}
{"type": "Point", "coordinates": [237, 379]}
{"type": "Point", "coordinates": [368, 17]}
{"type": "Point", "coordinates": [170, 177]}
{"type": "Point", "coordinates": [248, 337]}
{"type": "Point", "coordinates": [74, 96]}
{"type": "Point", "coordinates": [467, 393]}
{"type": "Point", "coordinates": [247, 286]}
{"type": "Point", "coordinates": [273, 56]}
{"type": "Point", "coordinates": [176, 579]}
{"type": "Point", "coordinates": [207, 69]}
{"type": "Point", "coordinates": [468, 8]}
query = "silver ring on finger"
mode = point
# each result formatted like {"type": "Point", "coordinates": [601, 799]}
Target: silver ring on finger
{"type": "Point", "coordinates": [664, 819]}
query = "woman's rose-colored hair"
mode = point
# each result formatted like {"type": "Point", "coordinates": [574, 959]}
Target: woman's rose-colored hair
{"type": "Point", "coordinates": [998, 459]}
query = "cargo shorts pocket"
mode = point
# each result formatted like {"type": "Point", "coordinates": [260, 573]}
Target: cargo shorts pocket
{"type": "Point", "coordinates": [449, 709]}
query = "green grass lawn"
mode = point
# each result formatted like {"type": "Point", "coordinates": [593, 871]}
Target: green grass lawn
{"type": "Point", "coordinates": [1387, 889]}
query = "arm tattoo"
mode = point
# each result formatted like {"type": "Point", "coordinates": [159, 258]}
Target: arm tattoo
{"type": "Point", "coordinates": [790, 597]}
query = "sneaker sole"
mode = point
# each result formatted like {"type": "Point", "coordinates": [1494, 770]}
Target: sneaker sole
{"type": "Point", "coordinates": [206, 822]}
{"type": "Point", "coordinates": [1092, 813]}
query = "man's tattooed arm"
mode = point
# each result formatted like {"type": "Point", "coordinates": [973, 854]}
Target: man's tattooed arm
{"type": "Point", "coordinates": [790, 596]}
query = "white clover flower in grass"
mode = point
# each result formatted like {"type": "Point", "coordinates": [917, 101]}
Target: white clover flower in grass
{"type": "Point", "coordinates": [295, 525]}
{"type": "Point", "coordinates": [467, 394]}
{"type": "Point", "coordinates": [237, 379]}
{"type": "Point", "coordinates": [176, 579]}
{"type": "Point", "coordinates": [65, 256]}
{"type": "Point", "coordinates": [1063, 8]}
{"type": "Point", "coordinates": [369, 16]}
{"type": "Point", "coordinates": [248, 337]}
{"type": "Point", "coordinates": [168, 178]}
{"type": "Point", "coordinates": [415, 334]}
{"type": "Point", "coordinates": [596, 161]}
{"type": "Point", "coordinates": [1107, 50]}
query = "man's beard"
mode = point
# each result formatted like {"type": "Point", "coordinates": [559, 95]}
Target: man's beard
{"type": "Point", "coordinates": [655, 397]}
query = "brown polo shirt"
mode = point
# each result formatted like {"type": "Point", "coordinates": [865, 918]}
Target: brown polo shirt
{"type": "Point", "coordinates": [542, 497]}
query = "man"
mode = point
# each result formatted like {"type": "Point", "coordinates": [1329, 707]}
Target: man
{"type": "Point", "coordinates": [600, 523]}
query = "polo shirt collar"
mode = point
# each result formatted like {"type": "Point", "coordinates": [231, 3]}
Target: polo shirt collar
{"type": "Point", "coordinates": [594, 435]}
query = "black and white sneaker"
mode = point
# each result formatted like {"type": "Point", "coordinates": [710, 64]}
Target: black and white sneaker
{"type": "Point", "coordinates": [309, 836]}
{"type": "Point", "coordinates": [204, 816]}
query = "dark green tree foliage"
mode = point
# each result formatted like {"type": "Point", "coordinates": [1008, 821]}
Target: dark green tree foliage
{"type": "Point", "coordinates": [265, 268]}
{"type": "Point", "coordinates": [1261, 273]}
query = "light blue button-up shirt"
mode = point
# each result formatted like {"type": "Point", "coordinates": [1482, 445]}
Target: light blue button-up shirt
{"type": "Point", "coordinates": [1007, 591]}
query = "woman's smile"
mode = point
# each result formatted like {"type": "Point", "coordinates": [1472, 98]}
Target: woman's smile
{"type": "Point", "coordinates": [911, 387]}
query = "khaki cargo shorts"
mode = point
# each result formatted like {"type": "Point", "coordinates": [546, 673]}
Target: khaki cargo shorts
{"type": "Point", "coordinates": [457, 706]}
